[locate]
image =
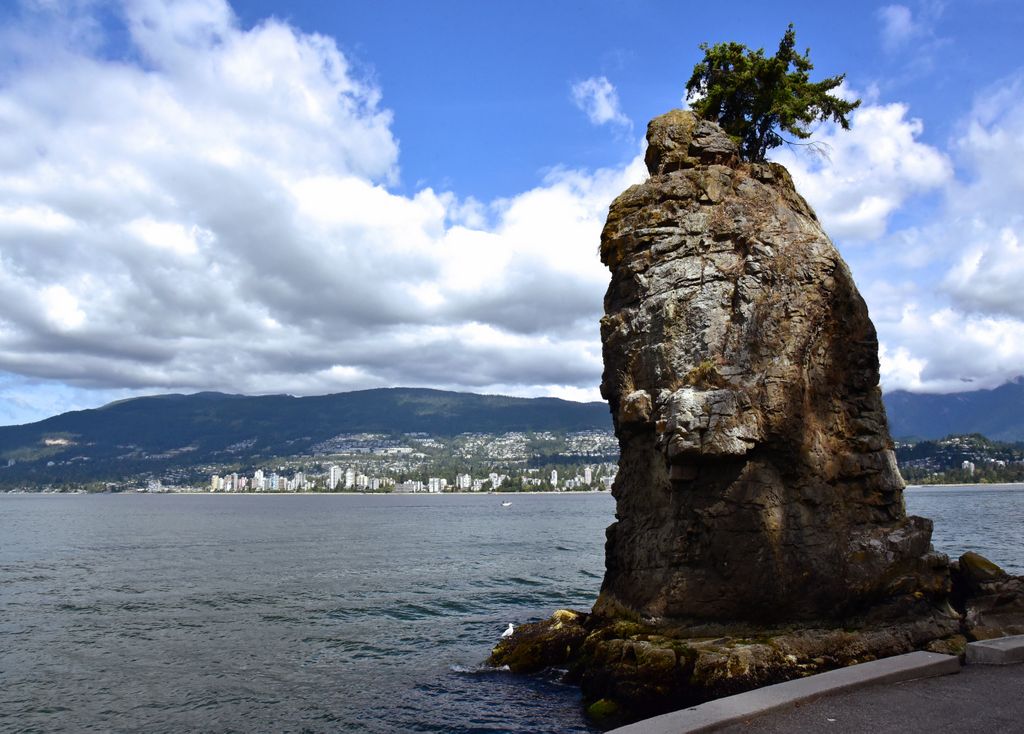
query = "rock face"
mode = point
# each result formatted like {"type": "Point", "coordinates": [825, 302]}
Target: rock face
{"type": "Point", "coordinates": [992, 601]}
{"type": "Point", "coordinates": [757, 481]}
{"type": "Point", "coordinates": [761, 533]}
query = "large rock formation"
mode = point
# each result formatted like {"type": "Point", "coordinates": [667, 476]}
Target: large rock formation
{"type": "Point", "coordinates": [761, 533]}
{"type": "Point", "coordinates": [757, 481]}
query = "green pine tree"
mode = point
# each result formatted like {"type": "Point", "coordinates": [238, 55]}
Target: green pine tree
{"type": "Point", "coordinates": [757, 98]}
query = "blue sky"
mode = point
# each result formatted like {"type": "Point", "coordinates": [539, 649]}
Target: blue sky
{"type": "Point", "coordinates": [310, 197]}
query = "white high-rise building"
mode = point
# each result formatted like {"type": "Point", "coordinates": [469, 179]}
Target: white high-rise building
{"type": "Point", "coordinates": [436, 484]}
{"type": "Point", "coordinates": [334, 476]}
{"type": "Point", "coordinates": [350, 478]}
{"type": "Point", "coordinates": [588, 475]}
{"type": "Point", "coordinates": [554, 477]}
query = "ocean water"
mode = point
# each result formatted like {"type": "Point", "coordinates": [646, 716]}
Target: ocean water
{"type": "Point", "coordinates": [166, 613]}
{"type": "Point", "coordinates": [169, 613]}
{"type": "Point", "coordinates": [987, 519]}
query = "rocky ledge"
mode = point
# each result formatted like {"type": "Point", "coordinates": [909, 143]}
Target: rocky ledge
{"type": "Point", "coordinates": [761, 533]}
{"type": "Point", "coordinates": [630, 669]}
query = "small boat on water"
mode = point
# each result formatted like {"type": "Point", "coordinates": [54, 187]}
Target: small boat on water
{"type": "Point", "coordinates": [506, 503]}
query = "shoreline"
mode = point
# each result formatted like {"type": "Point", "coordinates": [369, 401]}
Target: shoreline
{"type": "Point", "coordinates": [991, 485]}
{"type": "Point", "coordinates": [496, 495]}
{"type": "Point", "coordinates": [379, 494]}
{"type": "Point", "coordinates": [505, 494]}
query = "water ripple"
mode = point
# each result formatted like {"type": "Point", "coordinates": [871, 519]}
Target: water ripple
{"type": "Point", "coordinates": [319, 614]}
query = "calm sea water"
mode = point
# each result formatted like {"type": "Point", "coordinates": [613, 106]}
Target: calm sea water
{"type": "Point", "coordinates": [986, 519]}
{"type": "Point", "coordinates": [285, 613]}
{"type": "Point", "coordinates": [318, 613]}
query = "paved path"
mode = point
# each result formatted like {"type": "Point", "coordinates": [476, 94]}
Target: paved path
{"type": "Point", "coordinates": [916, 692]}
{"type": "Point", "coordinates": [980, 698]}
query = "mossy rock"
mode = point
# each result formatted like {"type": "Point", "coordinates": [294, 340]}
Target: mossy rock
{"type": "Point", "coordinates": [602, 710]}
{"type": "Point", "coordinates": [955, 645]}
{"type": "Point", "coordinates": [977, 569]}
{"type": "Point", "coordinates": [538, 645]}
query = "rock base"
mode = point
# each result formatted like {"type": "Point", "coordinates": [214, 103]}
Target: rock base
{"type": "Point", "coordinates": [630, 669]}
{"type": "Point", "coordinates": [991, 600]}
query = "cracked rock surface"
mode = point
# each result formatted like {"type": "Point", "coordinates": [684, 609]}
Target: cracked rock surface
{"type": "Point", "coordinates": [761, 533]}
{"type": "Point", "coordinates": [757, 480]}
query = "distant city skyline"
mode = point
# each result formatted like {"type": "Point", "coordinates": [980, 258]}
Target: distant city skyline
{"type": "Point", "coordinates": [308, 198]}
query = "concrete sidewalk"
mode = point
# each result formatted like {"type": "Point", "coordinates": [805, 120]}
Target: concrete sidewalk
{"type": "Point", "coordinates": [981, 698]}
{"type": "Point", "coordinates": [906, 693]}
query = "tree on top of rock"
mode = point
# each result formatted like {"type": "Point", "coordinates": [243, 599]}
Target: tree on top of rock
{"type": "Point", "coordinates": [757, 98]}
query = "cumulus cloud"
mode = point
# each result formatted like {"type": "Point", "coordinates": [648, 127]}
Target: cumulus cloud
{"type": "Point", "coordinates": [943, 289]}
{"type": "Point", "coordinates": [212, 211]}
{"type": "Point", "coordinates": [944, 350]}
{"type": "Point", "coordinates": [988, 278]}
{"type": "Point", "coordinates": [962, 325]}
{"type": "Point", "coordinates": [866, 173]}
{"type": "Point", "coordinates": [598, 98]}
{"type": "Point", "coordinates": [990, 148]}
{"type": "Point", "coordinates": [984, 228]}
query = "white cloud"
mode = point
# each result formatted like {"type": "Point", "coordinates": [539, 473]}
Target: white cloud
{"type": "Point", "coordinates": [991, 148]}
{"type": "Point", "coordinates": [62, 307]}
{"type": "Point", "coordinates": [597, 97]}
{"type": "Point", "coordinates": [899, 369]}
{"type": "Point", "coordinates": [911, 34]}
{"type": "Point", "coordinates": [943, 350]}
{"type": "Point", "coordinates": [990, 275]}
{"type": "Point", "coordinates": [983, 229]}
{"type": "Point", "coordinates": [218, 217]}
{"type": "Point", "coordinates": [898, 25]}
{"type": "Point", "coordinates": [943, 290]}
{"type": "Point", "coordinates": [962, 326]}
{"type": "Point", "coordinates": [167, 235]}
{"type": "Point", "coordinates": [868, 171]}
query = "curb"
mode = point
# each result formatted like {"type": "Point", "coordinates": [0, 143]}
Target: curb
{"type": "Point", "coordinates": [733, 709]}
{"type": "Point", "coordinates": [999, 651]}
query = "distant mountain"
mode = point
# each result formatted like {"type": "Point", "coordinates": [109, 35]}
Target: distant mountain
{"type": "Point", "coordinates": [190, 429]}
{"type": "Point", "coordinates": [997, 414]}
{"type": "Point", "coordinates": [146, 434]}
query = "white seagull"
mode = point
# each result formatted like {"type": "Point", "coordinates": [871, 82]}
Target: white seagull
{"type": "Point", "coordinates": [509, 631]}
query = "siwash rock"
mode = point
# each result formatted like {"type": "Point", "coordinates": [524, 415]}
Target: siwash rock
{"type": "Point", "coordinates": [761, 533]}
{"type": "Point", "coordinates": [757, 480]}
